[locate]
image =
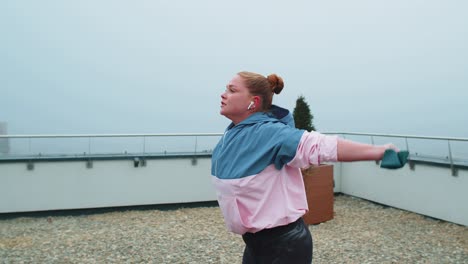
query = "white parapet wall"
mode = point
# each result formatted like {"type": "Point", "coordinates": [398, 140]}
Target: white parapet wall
{"type": "Point", "coordinates": [56, 185]}
{"type": "Point", "coordinates": [71, 185]}
{"type": "Point", "coordinates": [428, 190]}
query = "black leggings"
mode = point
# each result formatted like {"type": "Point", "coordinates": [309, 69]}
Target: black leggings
{"type": "Point", "coordinates": [291, 243]}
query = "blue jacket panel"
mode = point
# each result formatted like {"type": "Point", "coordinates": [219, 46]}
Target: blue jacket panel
{"type": "Point", "coordinates": [255, 143]}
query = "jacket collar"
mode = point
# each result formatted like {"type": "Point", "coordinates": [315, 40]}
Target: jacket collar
{"type": "Point", "coordinates": [275, 114]}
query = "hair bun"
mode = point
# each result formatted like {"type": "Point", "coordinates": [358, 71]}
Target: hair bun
{"type": "Point", "coordinates": [276, 83]}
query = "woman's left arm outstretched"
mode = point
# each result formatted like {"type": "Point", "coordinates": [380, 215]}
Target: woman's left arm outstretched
{"type": "Point", "coordinates": [348, 150]}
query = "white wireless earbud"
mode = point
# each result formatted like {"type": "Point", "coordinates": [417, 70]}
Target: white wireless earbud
{"type": "Point", "coordinates": [250, 105]}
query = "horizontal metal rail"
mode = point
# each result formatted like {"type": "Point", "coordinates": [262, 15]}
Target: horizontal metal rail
{"type": "Point", "coordinates": [451, 161]}
{"type": "Point", "coordinates": [219, 134]}
{"type": "Point", "coordinates": [114, 135]}
{"type": "Point", "coordinates": [398, 136]}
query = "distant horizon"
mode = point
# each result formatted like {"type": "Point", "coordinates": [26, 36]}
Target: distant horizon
{"type": "Point", "coordinates": [4, 131]}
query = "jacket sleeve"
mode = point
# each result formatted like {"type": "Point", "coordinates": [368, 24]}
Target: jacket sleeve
{"type": "Point", "coordinates": [315, 148]}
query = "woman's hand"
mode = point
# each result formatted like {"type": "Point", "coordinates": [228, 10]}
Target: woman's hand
{"type": "Point", "coordinates": [391, 146]}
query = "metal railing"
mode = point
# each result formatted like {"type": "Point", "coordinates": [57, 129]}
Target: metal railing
{"type": "Point", "coordinates": [193, 143]}
{"type": "Point", "coordinates": [30, 146]}
{"type": "Point", "coordinates": [449, 159]}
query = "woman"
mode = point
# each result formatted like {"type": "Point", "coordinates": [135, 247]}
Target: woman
{"type": "Point", "coordinates": [256, 170]}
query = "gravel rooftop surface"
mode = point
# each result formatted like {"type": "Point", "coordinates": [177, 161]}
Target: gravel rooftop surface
{"type": "Point", "coordinates": [360, 232]}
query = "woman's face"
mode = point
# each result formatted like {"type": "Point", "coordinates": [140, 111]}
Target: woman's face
{"type": "Point", "coordinates": [235, 100]}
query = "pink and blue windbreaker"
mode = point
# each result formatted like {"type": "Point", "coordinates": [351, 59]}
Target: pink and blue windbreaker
{"type": "Point", "coordinates": [256, 170]}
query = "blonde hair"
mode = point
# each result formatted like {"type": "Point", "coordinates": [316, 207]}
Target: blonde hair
{"type": "Point", "coordinates": [262, 86]}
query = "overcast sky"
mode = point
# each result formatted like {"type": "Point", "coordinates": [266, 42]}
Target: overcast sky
{"type": "Point", "coordinates": [107, 66]}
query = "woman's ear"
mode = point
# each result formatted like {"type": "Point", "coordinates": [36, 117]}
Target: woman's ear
{"type": "Point", "coordinates": [257, 102]}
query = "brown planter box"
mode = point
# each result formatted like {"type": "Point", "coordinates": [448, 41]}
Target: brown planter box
{"type": "Point", "coordinates": [318, 181]}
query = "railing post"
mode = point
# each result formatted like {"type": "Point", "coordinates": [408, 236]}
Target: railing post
{"type": "Point", "coordinates": [89, 145]}
{"type": "Point", "coordinates": [194, 160]}
{"type": "Point", "coordinates": [452, 167]}
{"type": "Point", "coordinates": [372, 141]}
{"type": "Point", "coordinates": [410, 162]}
